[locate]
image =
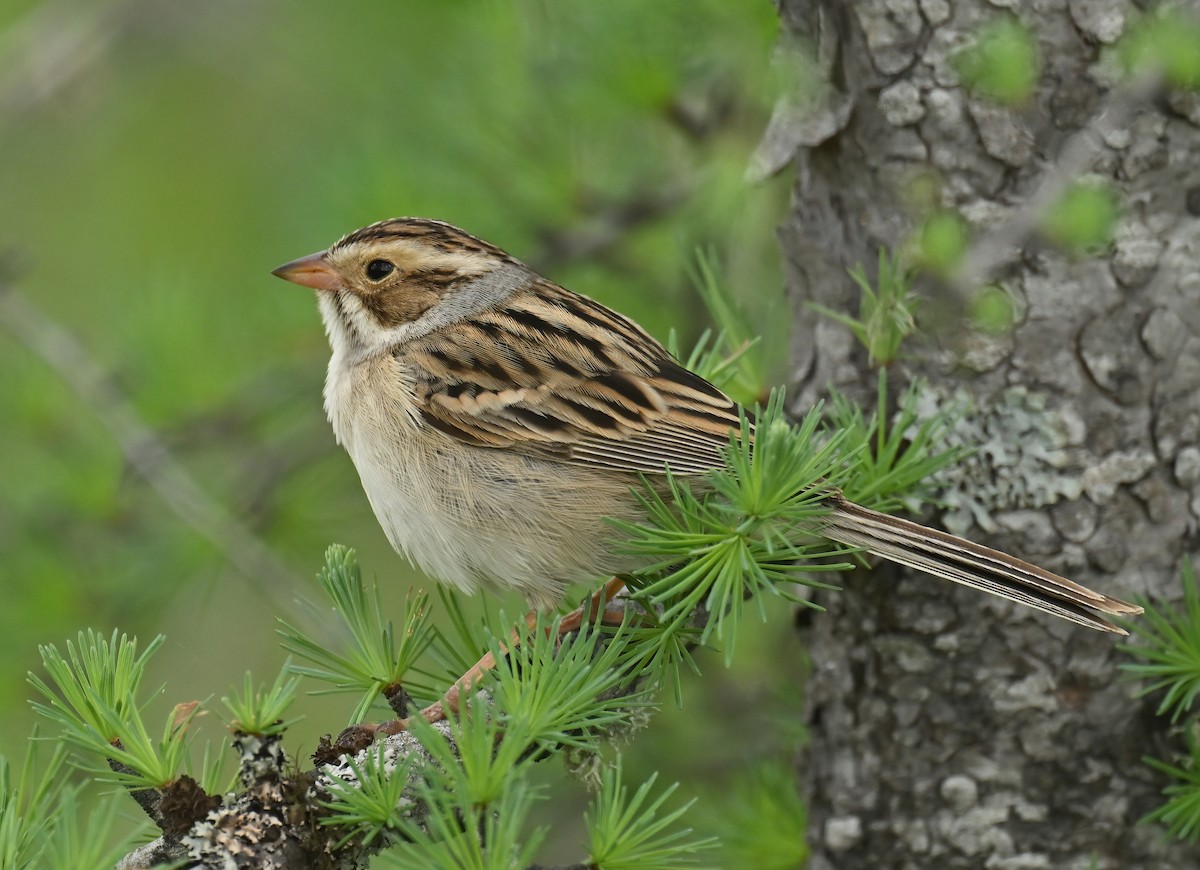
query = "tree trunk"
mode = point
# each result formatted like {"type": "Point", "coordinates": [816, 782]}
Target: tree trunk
{"type": "Point", "coordinates": [951, 729]}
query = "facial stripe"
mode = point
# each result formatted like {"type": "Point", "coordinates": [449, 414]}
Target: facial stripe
{"type": "Point", "coordinates": [436, 234]}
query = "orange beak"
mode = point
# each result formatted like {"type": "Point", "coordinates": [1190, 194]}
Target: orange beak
{"type": "Point", "coordinates": [312, 271]}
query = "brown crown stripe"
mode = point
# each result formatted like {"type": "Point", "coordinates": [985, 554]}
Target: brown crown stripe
{"type": "Point", "coordinates": [412, 228]}
{"type": "Point", "coordinates": [442, 273]}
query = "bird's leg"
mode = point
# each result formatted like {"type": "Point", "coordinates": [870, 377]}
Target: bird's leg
{"type": "Point", "coordinates": [594, 609]}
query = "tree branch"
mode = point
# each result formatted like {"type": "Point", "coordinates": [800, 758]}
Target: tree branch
{"type": "Point", "coordinates": [289, 806]}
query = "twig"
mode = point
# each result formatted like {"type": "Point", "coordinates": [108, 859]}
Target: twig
{"type": "Point", "coordinates": [1001, 243]}
{"type": "Point", "coordinates": [148, 799]}
{"type": "Point", "coordinates": [54, 44]}
{"type": "Point", "coordinates": [143, 449]}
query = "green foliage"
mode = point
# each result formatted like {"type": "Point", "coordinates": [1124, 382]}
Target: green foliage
{"type": "Point", "coordinates": [1181, 812]}
{"type": "Point", "coordinates": [82, 835]}
{"type": "Point", "coordinates": [260, 710]}
{"type": "Point", "coordinates": [751, 536]}
{"type": "Point", "coordinates": [660, 650]}
{"type": "Point", "coordinates": [27, 807]}
{"type": "Point", "coordinates": [44, 824]}
{"type": "Point", "coordinates": [1084, 218]}
{"type": "Point", "coordinates": [628, 833]}
{"type": "Point", "coordinates": [484, 757]}
{"type": "Point", "coordinates": [545, 694]}
{"type": "Point", "coordinates": [893, 462]}
{"type": "Point", "coordinates": [715, 360]}
{"type": "Point", "coordinates": [1004, 63]}
{"type": "Point", "coordinates": [1167, 40]}
{"type": "Point", "coordinates": [461, 834]}
{"type": "Point", "coordinates": [991, 310]}
{"type": "Point", "coordinates": [1169, 661]}
{"type": "Point", "coordinates": [941, 242]}
{"type": "Point", "coordinates": [368, 801]}
{"type": "Point", "coordinates": [469, 807]}
{"type": "Point", "coordinates": [94, 699]}
{"type": "Point", "coordinates": [376, 658]}
{"type": "Point", "coordinates": [460, 640]}
{"type": "Point", "coordinates": [753, 532]}
{"type": "Point", "coordinates": [553, 695]}
{"type": "Point", "coordinates": [474, 798]}
{"type": "Point", "coordinates": [737, 360]}
{"type": "Point", "coordinates": [1169, 649]}
{"type": "Point", "coordinates": [210, 774]}
{"type": "Point", "coordinates": [885, 317]}
{"type": "Point", "coordinates": [762, 821]}
{"type": "Point", "coordinates": [98, 679]}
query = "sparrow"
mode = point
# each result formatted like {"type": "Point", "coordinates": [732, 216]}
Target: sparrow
{"type": "Point", "coordinates": [497, 420]}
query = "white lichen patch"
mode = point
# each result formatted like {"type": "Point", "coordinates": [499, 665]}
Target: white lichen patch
{"type": "Point", "coordinates": [1020, 457]}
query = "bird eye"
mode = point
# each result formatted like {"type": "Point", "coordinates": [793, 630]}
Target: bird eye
{"type": "Point", "coordinates": [377, 270]}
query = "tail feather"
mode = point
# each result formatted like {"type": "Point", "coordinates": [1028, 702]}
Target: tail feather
{"type": "Point", "coordinates": [974, 565]}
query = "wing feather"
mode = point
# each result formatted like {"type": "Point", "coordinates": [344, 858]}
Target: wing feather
{"type": "Point", "coordinates": [556, 375]}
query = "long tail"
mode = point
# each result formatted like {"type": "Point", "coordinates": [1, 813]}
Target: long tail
{"type": "Point", "coordinates": [973, 565]}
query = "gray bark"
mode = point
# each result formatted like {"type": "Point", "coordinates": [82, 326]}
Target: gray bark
{"type": "Point", "coordinates": [951, 729]}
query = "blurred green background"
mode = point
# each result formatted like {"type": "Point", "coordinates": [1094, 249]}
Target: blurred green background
{"type": "Point", "coordinates": [158, 159]}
